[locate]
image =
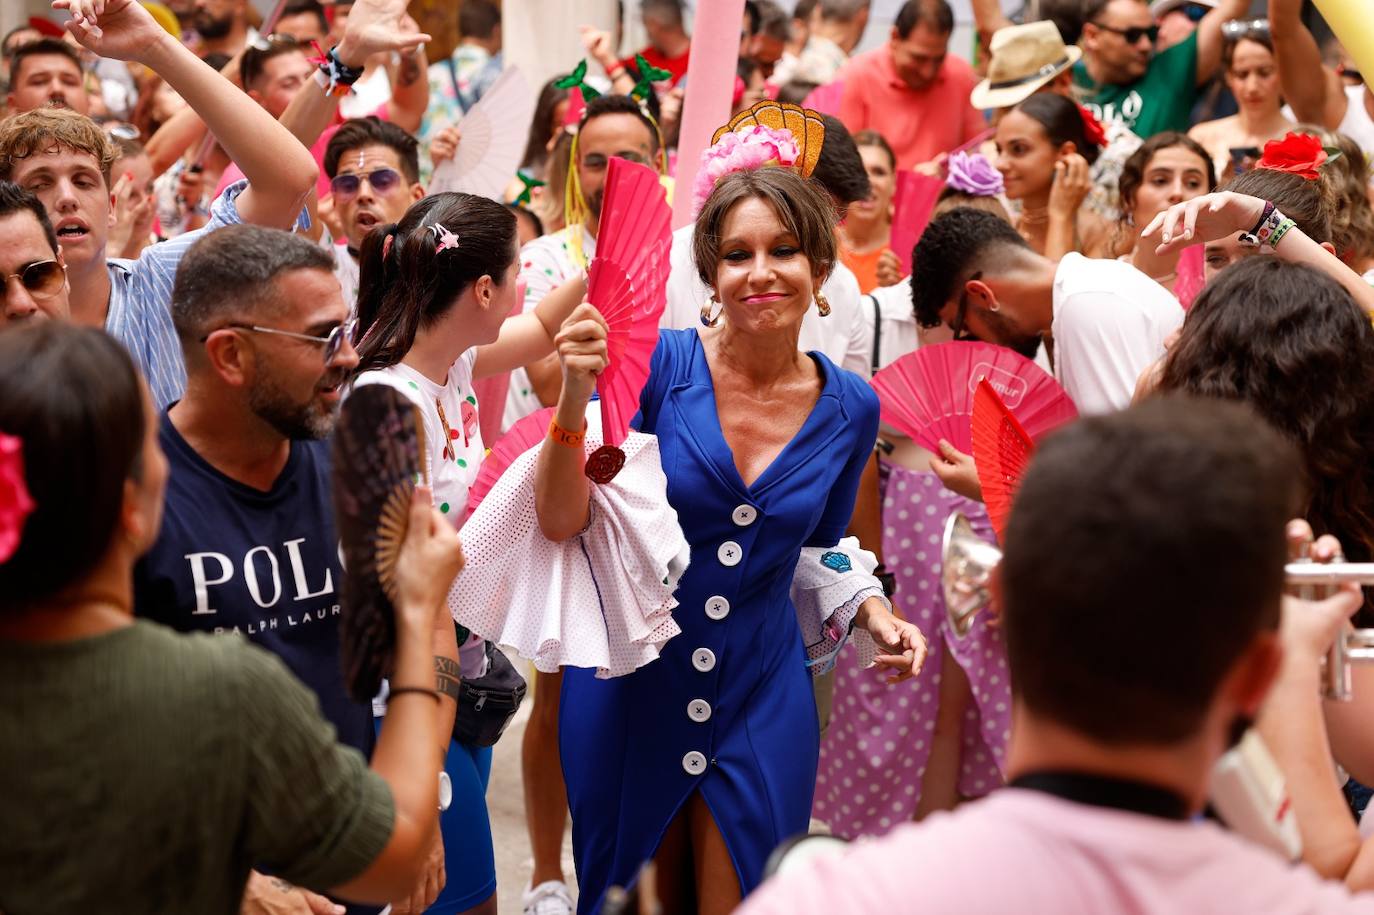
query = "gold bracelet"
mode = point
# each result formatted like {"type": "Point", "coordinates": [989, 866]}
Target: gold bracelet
{"type": "Point", "coordinates": [562, 436]}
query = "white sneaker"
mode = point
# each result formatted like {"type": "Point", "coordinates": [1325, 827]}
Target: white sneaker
{"type": "Point", "coordinates": [548, 898]}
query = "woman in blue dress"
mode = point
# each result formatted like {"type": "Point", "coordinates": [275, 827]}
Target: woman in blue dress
{"type": "Point", "coordinates": [705, 760]}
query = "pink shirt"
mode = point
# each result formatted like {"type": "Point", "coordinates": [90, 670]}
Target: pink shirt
{"type": "Point", "coordinates": [1027, 852]}
{"type": "Point", "coordinates": [918, 123]}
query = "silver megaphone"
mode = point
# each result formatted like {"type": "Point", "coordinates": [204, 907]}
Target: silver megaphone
{"type": "Point", "coordinates": [968, 564]}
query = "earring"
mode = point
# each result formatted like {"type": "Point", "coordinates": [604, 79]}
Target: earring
{"type": "Point", "coordinates": [822, 304]}
{"type": "Point", "coordinates": [708, 319]}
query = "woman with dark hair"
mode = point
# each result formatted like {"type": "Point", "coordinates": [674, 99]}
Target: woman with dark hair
{"type": "Point", "coordinates": [706, 759]}
{"type": "Point", "coordinates": [1167, 169]}
{"type": "Point", "coordinates": [545, 126]}
{"type": "Point", "coordinates": [435, 295]}
{"type": "Point", "coordinates": [145, 770]}
{"type": "Point", "coordinates": [1045, 147]}
{"type": "Point", "coordinates": [1264, 211]}
{"type": "Point", "coordinates": [867, 226]}
{"type": "Point", "coordinates": [1252, 74]}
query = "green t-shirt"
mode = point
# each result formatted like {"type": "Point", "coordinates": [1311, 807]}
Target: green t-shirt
{"type": "Point", "coordinates": [148, 771]}
{"type": "Point", "coordinates": [1160, 100]}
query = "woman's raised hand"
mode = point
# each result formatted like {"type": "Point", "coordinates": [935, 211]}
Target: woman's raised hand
{"type": "Point", "coordinates": [1203, 219]}
{"type": "Point", "coordinates": [1072, 182]}
{"type": "Point", "coordinates": [581, 344]}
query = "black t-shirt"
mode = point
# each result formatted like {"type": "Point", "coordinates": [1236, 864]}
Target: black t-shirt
{"type": "Point", "coordinates": [230, 558]}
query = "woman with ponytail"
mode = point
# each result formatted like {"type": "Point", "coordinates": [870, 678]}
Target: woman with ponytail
{"type": "Point", "coordinates": [435, 296]}
{"type": "Point", "coordinates": [1045, 149]}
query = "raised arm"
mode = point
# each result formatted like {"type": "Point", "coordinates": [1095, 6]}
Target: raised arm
{"type": "Point", "coordinates": [185, 128]}
{"type": "Point", "coordinates": [1313, 90]}
{"type": "Point", "coordinates": [561, 497]}
{"type": "Point", "coordinates": [988, 18]}
{"type": "Point", "coordinates": [527, 338]}
{"type": "Point", "coordinates": [410, 89]}
{"type": "Point", "coordinates": [1209, 40]}
{"type": "Point", "coordinates": [280, 170]}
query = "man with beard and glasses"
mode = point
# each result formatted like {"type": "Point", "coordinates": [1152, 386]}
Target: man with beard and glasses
{"type": "Point", "coordinates": [1138, 659]}
{"type": "Point", "coordinates": [34, 276]}
{"type": "Point", "coordinates": [973, 272]}
{"type": "Point", "coordinates": [222, 26]}
{"type": "Point", "coordinates": [248, 543]}
{"type": "Point", "coordinates": [47, 74]}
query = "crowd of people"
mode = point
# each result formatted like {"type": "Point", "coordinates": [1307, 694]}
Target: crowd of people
{"type": "Point", "coordinates": [216, 227]}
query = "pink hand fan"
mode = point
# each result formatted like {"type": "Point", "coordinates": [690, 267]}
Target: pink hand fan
{"type": "Point", "coordinates": [519, 438]}
{"type": "Point", "coordinates": [1001, 451]}
{"type": "Point", "coordinates": [928, 394]}
{"type": "Point", "coordinates": [826, 99]}
{"type": "Point", "coordinates": [627, 282]}
{"type": "Point", "coordinates": [912, 204]}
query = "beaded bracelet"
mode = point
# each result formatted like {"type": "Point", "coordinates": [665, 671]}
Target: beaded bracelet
{"type": "Point", "coordinates": [334, 76]}
{"type": "Point", "coordinates": [1272, 226]}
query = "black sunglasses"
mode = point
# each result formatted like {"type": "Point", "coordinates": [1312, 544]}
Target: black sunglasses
{"type": "Point", "coordinates": [1134, 33]}
{"type": "Point", "coordinates": [42, 280]}
{"type": "Point", "coordinates": [383, 181]}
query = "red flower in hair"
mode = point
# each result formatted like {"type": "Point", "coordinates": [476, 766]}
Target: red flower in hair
{"type": "Point", "coordinates": [15, 502]}
{"type": "Point", "coordinates": [1298, 154]}
{"type": "Point", "coordinates": [1092, 128]}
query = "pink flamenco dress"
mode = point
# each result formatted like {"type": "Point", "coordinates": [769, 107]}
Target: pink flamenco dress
{"type": "Point", "coordinates": [875, 752]}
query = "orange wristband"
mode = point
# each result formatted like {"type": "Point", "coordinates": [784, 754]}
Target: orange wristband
{"type": "Point", "coordinates": [562, 436]}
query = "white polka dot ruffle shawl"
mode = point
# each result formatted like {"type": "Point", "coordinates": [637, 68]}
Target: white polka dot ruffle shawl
{"type": "Point", "coordinates": [602, 599]}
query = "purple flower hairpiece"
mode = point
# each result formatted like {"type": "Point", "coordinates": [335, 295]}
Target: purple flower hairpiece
{"type": "Point", "coordinates": [444, 238]}
{"type": "Point", "coordinates": [973, 174]}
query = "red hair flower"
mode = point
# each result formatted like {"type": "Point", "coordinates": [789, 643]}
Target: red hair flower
{"type": "Point", "coordinates": [15, 502]}
{"type": "Point", "coordinates": [1298, 154]}
{"type": "Point", "coordinates": [1092, 128]}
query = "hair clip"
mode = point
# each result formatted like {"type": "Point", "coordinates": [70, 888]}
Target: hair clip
{"type": "Point", "coordinates": [530, 184]}
{"type": "Point", "coordinates": [445, 238]}
{"type": "Point", "coordinates": [577, 79]}
{"type": "Point", "coordinates": [648, 75]}
{"type": "Point", "coordinates": [15, 502]}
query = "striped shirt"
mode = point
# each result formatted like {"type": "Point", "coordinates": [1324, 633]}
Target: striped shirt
{"type": "Point", "coordinates": [140, 310]}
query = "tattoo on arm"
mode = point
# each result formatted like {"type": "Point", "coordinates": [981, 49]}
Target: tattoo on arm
{"type": "Point", "coordinates": [447, 677]}
{"type": "Point", "coordinates": [410, 70]}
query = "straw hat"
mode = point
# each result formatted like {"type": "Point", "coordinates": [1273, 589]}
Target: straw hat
{"type": "Point", "coordinates": [1024, 58]}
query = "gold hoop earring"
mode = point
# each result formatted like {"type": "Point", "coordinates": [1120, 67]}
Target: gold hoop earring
{"type": "Point", "coordinates": [822, 304]}
{"type": "Point", "coordinates": [708, 319]}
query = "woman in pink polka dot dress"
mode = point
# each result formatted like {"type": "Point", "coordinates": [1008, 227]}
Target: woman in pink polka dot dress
{"type": "Point", "coordinates": [876, 753]}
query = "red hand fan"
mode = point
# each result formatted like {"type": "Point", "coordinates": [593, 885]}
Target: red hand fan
{"type": "Point", "coordinates": [928, 394]}
{"type": "Point", "coordinates": [912, 204]}
{"type": "Point", "coordinates": [519, 438]}
{"type": "Point", "coordinates": [826, 99]}
{"type": "Point", "coordinates": [627, 282]}
{"type": "Point", "coordinates": [1001, 451]}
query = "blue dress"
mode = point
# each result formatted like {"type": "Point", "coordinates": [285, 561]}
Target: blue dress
{"type": "Point", "coordinates": [727, 709]}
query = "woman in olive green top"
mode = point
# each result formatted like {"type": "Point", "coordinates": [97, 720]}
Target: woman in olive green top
{"type": "Point", "coordinates": [146, 771]}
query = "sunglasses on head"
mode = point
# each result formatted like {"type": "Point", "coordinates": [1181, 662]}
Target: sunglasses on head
{"type": "Point", "coordinates": [1134, 33]}
{"type": "Point", "coordinates": [1236, 29]}
{"type": "Point", "coordinates": [383, 181]}
{"type": "Point", "coordinates": [42, 280]}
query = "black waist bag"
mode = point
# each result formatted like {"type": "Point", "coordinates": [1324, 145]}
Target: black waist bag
{"type": "Point", "coordinates": [487, 704]}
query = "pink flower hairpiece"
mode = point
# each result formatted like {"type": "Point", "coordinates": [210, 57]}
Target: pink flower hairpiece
{"type": "Point", "coordinates": [444, 238]}
{"type": "Point", "coordinates": [15, 502]}
{"type": "Point", "coordinates": [972, 173]}
{"type": "Point", "coordinates": [741, 151]}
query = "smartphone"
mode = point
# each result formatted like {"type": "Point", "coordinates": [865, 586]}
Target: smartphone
{"type": "Point", "coordinates": [1243, 158]}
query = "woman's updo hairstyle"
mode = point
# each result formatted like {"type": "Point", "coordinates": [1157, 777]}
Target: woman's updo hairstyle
{"type": "Point", "coordinates": [72, 396]}
{"type": "Point", "coordinates": [1062, 121]}
{"type": "Point", "coordinates": [800, 203]}
{"type": "Point", "coordinates": [406, 283]}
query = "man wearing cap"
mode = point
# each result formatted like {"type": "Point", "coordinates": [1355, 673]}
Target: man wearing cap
{"type": "Point", "coordinates": [1031, 58]}
{"type": "Point", "coordinates": [1122, 78]}
{"type": "Point", "coordinates": [910, 89]}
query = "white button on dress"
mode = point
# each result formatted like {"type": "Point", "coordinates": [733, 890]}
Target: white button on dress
{"type": "Point", "coordinates": [717, 607]}
{"type": "Point", "coordinates": [704, 659]}
{"type": "Point", "coordinates": [699, 710]}
{"type": "Point", "coordinates": [730, 553]}
{"type": "Point", "coordinates": [694, 763]}
{"type": "Point", "coordinates": [744, 515]}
